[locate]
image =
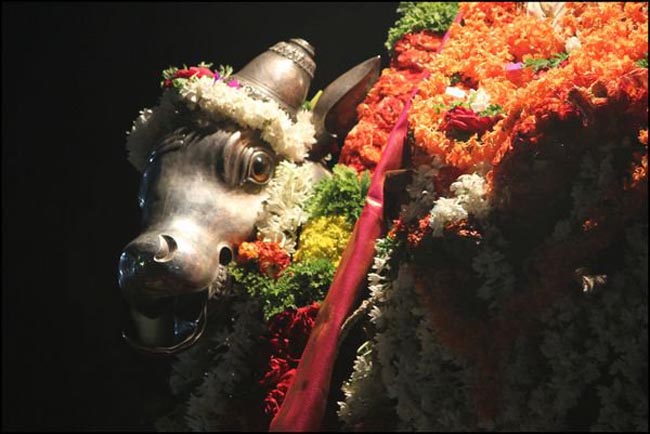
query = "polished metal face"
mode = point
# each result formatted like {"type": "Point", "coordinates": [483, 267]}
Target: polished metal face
{"type": "Point", "coordinates": [200, 196]}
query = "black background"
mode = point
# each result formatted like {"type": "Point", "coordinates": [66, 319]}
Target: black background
{"type": "Point", "coordinates": [74, 76]}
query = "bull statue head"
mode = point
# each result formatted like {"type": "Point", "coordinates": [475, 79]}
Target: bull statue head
{"type": "Point", "coordinates": [207, 153]}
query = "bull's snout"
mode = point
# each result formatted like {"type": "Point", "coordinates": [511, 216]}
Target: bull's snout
{"type": "Point", "coordinates": [158, 265]}
{"type": "Point", "coordinates": [154, 270]}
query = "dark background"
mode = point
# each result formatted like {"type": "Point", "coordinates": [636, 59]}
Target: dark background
{"type": "Point", "coordinates": [74, 76]}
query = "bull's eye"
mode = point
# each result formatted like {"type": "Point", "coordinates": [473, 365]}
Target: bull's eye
{"type": "Point", "coordinates": [260, 168]}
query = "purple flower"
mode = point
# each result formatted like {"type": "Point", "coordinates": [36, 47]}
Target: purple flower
{"type": "Point", "coordinates": [216, 76]}
{"type": "Point", "coordinates": [514, 66]}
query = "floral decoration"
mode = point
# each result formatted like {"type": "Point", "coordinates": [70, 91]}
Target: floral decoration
{"type": "Point", "coordinates": [281, 277]}
{"type": "Point", "coordinates": [508, 293]}
{"type": "Point", "coordinates": [324, 238]}
{"type": "Point", "coordinates": [511, 292]}
{"type": "Point", "coordinates": [219, 97]}
{"type": "Point", "coordinates": [288, 333]}
{"type": "Point", "coordinates": [269, 258]}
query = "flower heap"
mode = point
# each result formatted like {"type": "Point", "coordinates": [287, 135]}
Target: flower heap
{"type": "Point", "coordinates": [279, 279]}
{"type": "Point", "coordinates": [415, 43]}
{"type": "Point", "coordinates": [511, 293]}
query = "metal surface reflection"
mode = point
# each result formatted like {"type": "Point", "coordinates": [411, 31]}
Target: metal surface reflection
{"type": "Point", "coordinates": [202, 189]}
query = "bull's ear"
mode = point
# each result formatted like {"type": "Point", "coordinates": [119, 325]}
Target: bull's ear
{"type": "Point", "coordinates": [335, 112]}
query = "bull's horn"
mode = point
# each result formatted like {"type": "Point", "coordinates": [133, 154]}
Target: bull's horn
{"type": "Point", "coordinates": [335, 112]}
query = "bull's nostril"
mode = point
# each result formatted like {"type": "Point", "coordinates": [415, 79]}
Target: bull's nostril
{"type": "Point", "coordinates": [166, 249]}
{"type": "Point", "coordinates": [225, 255]}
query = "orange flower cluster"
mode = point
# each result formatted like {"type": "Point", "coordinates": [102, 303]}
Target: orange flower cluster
{"type": "Point", "coordinates": [270, 258]}
{"type": "Point", "coordinates": [552, 118]}
{"type": "Point", "coordinates": [415, 50]}
{"type": "Point", "coordinates": [383, 105]}
{"type": "Point", "coordinates": [613, 36]}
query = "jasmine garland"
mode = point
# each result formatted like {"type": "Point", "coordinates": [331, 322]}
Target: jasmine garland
{"type": "Point", "coordinates": [198, 88]}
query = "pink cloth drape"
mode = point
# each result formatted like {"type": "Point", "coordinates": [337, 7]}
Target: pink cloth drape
{"type": "Point", "coordinates": [304, 405]}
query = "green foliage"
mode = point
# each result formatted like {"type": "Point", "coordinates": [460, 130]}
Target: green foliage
{"type": "Point", "coordinates": [541, 64]}
{"type": "Point", "coordinates": [455, 78]}
{"type": "Point", "coordinates": [309, 104]}
{"type": "Point", "coordinates": [643, 63]}
{"type": "Point", "coordinates": [225, 71]}
{"type": "Point", "coordinates": [416, 16]}
{"type": "Point", "coordinates": [492, 110]}
{"type": "Point", "coordinates": [344, 193]}
{"type": "Point", "coordinates": [301, 283]}
{"type": "Point", "coordinates": [458, 103]}
{"type": "Point", "coordinates": [169, 73]}
{"type": "Point", "coordinates": [204, 64]}
{"type": "Point", "coordinates": [309, 281]}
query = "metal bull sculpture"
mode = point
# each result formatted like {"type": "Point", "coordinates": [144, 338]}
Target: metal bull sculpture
{"type": "Point", "coordinates": [204, 181]}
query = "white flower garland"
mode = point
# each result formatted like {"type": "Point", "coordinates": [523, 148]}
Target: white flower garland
{"type": "Point", "coordinates": [470, 198]}
{"type": "Point", "coordinates": [220, 374]}
{"type": "Point", "coordinates": [283, 211]}
{"type": "Point", "coordinates": [292, 140]}
{"type": "Point", "coordinates": [430, 387]}
{"type": "Point", "coordinates": [148, 128]}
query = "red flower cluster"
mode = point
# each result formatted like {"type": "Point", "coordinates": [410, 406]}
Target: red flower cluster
{"type": "Point", "coordinates": [288, 335]}
{"type": "Point", "coordinates": [415, 50]}
{"type": "Point", "coordinates": [462, 121]}
{"type": "Point", "coordinates": [270, 258]}
{"type": "Point", "coordinates": [192, 71]}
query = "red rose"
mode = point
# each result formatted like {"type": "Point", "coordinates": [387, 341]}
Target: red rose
{"type": "Point", "coordinates": [464, 121]}
{"type": "Point", "coordinates": [192, 71]}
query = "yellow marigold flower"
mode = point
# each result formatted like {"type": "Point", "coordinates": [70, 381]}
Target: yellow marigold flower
{"type": "Point", "coordinates": [324, 238]}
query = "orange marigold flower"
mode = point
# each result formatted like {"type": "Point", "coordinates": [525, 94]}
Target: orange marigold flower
{"type": "Point", "coordinates": [271, 259]}
{"type": "Point", "coordinates": [247, 252]}
{"type": "Point", "coordinates": [415, 50]}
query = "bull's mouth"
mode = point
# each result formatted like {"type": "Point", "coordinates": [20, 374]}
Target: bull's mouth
{"type": "Point", "coordinates": [173, 324]}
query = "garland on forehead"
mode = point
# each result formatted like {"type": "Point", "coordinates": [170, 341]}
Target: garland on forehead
{"type": "Point", "coordinates": [218, 97]}
{"type": "Point", "coordinates": [512, 292]}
